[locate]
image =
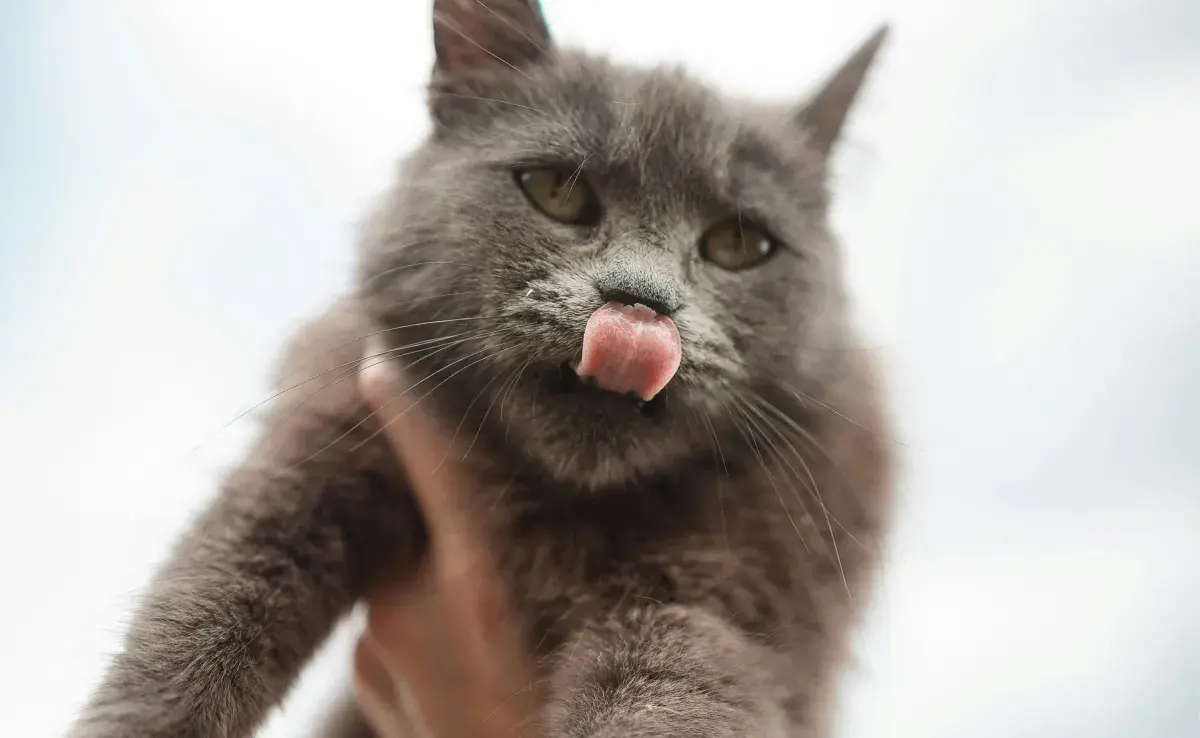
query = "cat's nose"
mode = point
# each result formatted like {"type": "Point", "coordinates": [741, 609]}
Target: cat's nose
{"type": "Point", "coordinates": [632, 282]}
{"type": "Point", "coordinates": [626, 297]}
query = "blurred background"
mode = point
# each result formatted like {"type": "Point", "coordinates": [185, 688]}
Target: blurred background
{"type": "Point", "coordinates": [180, 184]}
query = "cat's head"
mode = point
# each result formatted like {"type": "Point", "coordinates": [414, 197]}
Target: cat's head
{"type": "Point", "coordinates": [555, 183]}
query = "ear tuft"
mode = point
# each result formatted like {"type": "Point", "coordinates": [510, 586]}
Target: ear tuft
{"type": "Point", "coordinates": [487, 36]}
{"type": "Point", "coordinates": [824, 115]}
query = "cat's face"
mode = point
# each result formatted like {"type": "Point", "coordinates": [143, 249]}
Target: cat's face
{"type": "Point", "coordinates": [545, 193]}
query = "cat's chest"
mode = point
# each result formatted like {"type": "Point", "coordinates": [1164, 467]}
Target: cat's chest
{"type": "Point", "coordinates": [568, 562]}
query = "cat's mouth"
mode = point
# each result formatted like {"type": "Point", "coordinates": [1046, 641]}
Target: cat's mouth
{"type": "Point", "coordinates": [628, 355]}
{"type": "Point", "coordinates": [591, 398]}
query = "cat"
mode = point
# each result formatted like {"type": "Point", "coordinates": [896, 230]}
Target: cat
{"type": "Point", "coordinates": [620, 286]}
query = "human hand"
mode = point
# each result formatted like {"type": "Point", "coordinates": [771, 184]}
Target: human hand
{"type": "Point", "coordinates": [447, 645]}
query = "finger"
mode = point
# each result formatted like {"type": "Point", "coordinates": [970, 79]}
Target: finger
{"type": "Point", "coordinates": [443, 694]}
{"type": "Point", "coordinates": [374, 690]}
{"type": "Point", "coordinates": [450, 696]}
{"type": "Point", "coordinates": [464, 605]}
{"type": "Point", "coordinates": [377, 691]}
{"type": "Point", "coordinates": [418, 442]}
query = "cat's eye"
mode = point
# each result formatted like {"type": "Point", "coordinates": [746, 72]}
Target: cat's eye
{"type": "Point", "coordinates": [561, 194]}
{"type": "Point", "coordinates": [737, 244]}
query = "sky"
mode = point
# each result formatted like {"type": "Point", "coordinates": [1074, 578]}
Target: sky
{"type": "Point", "coordinates": [180, 185]}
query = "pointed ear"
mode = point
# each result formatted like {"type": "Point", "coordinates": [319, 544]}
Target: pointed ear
{"type": "Point", "coordinates": [483, 36]}
{"type": "Point", "coordinates": [824, 115]}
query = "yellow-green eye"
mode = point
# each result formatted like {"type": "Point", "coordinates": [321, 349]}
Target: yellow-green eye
{"type": "Point", "coordinates": [561, 194]}
{"type": "Point", "coordinates": [736, 244]}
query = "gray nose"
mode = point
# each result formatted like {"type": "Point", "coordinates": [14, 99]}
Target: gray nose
{"type": "Point", "coordinates": [633, 278]}
{"type": "Point", "coordinates": [656, 292]}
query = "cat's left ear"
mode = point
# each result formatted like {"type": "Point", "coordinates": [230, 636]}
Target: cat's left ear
{"type": "Point", "coordinates": [824, 115]}
{"type": "Point", "coordinates": [473, 37]}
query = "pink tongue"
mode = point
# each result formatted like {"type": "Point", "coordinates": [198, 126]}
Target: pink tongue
{"type": "Point", "coordinates": [630, 349]}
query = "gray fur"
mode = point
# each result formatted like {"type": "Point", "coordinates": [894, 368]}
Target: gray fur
{"type": "Point", "coordinates": [692, 568]}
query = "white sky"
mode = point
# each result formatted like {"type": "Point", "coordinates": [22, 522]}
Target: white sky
{"type": "Point", "coordinates": [1023, 240]}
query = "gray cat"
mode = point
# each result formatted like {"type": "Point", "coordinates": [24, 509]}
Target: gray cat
{"type": "Point", "coordinates": [621, 289]}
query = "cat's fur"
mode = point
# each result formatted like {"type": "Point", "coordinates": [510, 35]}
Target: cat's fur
{"type": "Point", "coordinates": [692, 571]}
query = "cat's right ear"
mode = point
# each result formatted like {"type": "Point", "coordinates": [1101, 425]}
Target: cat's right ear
{"type": "Point", "coordinates": [483, 38]}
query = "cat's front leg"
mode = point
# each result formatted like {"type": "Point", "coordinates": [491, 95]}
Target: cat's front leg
{"type": "Point", "coordinates": [317, 513]}
{"type": "Point", "coordinates": [661, 671]}
{"type": "Point", "coordinates": [247, 598]}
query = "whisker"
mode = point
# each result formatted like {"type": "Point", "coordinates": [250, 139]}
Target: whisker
{"type": "Point", "coordinates": [762, 462]}
{"type": "Point", "coordinates": [506, 21]}
{"type": "Point", "coordinates": [779, 460]}
{"type": "Point", "coordinates": [802, 397]}
{"type": "Point", "coordinates": [845, 349]}
{"type": "Point", "coordinates": [372, 414]}
{"type": "Point", "coordinates": [815, 491]}
{"type": "Point", "coordinates": [441, 18]}
{"type": "Point", "coordinates": [557, 621]}
{"type": "Point", "coordinates": [807, 437]}
{"type": "Point", "coordinates": [514, 383]}
{"type": "Point", "coordinates": [406, 410]}
{"type": "Point", "coordinates": [423, 298]}
{"type": "Point", "coordinates": [360, 366]}
{"type": "Point", "coordinates": [576, 174]}
{"type": "Point", "coordinates": [717, 444]}
{"type": "Point", "coordinates": [783, 462]}
{"type": "Point", "coordinates": [380, 275]}
{"type": "Point", "coordinates": [420, 324]}
{"type": "Point", "coordinates": [527, 688]}
{"type": "Point", "coordinates": [720, 455]}
{"type": "Point", "coordinates": [301, 383]}
{"type": "Point", "coordinates": [466, 413]}
{"type": "Point", "coordinates": [503, 491]}
{"type": "Point", "coordinates": [486, 413]}
{"type": "Point", "coordinates": [533, 401]}
{"type": "Point", "coordinates": [491, 100]}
